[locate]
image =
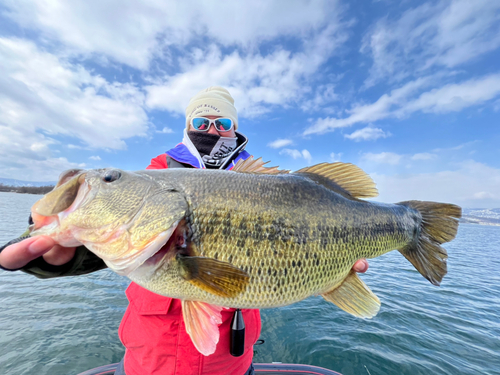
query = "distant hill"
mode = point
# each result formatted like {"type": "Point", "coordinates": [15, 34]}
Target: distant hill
{"type": "Point", "coordinates": [18, 183]}
{"type": "Point", "coordinates": [483, 216]}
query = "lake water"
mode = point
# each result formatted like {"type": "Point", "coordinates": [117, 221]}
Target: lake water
{"type": "Point", "coordinates": [68, 325]}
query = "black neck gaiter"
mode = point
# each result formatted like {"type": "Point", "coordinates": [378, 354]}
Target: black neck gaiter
{"type": "Point", "coordinates": [213, 149]}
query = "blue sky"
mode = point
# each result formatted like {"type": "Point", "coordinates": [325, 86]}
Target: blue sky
{"type": "Point", "coordinates": [409, 91]}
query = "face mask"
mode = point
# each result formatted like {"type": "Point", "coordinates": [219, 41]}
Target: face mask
{"type": "Point", "coordinates": [214, 149]}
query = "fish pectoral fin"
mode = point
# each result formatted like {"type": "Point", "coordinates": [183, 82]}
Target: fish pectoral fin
{"type": "Point", "coordinates": [202, 325]}
{"type": "Point", "coordinates": [354, 297]}
{"type": "Point", "coordinates": [214, 276]}
{"type": "Point", "coordinates": [344, 178]}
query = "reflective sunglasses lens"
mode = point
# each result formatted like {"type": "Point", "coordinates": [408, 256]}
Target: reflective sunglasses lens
{"type": "Point", "coordinates": [200, 123]}
{"type": "Point", "coordinates": [223, 124]}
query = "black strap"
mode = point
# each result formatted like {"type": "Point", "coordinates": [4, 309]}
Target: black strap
{"type": "Point", "coordinates": [237, 335]}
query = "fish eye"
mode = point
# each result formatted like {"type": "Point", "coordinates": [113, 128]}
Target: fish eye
{"type": "Point", "coordinates": [111, 176]}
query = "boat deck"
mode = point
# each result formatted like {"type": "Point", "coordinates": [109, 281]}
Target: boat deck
{"type": "Point", "coordinates": [260, 368]}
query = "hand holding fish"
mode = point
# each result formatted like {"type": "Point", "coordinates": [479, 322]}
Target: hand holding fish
{"type": "Point", "coordinates": [19, 254]}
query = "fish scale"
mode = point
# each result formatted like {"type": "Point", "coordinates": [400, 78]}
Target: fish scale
{"type": "Point", "coordinates": [310, 240]}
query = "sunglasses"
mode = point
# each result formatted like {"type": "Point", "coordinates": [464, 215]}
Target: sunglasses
{"type": "Point", "coordinates": [202, 124]}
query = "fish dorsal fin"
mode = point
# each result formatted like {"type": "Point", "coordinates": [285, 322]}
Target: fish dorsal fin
{"type": "Point", "coordinates": [351, 179]}
{"type": "Point", "coordinates": [202, 325]}
{"type": "Point", "coordinates": [252, 165]}
{"type": "Point", "coordinates": [354, 296]}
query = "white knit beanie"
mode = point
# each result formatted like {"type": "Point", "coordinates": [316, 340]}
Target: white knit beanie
{"type": "Point", "coordinates": [213, 101]}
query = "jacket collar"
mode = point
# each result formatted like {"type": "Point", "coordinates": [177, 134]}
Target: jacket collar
{"type": "Point", "coordinates": [190, 155]}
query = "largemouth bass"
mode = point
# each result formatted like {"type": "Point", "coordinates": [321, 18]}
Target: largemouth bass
{"type": "Point", "coordinates": [248, 238]}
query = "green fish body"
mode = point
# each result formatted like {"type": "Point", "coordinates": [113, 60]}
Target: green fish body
{"type": "Point", "coordinates": [245, 240]}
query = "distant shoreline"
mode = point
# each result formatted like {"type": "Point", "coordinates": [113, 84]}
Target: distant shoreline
{"type": "Point", "coordinates": [476, 221]}
{"type": "Point", "coordinates": [37, 190]}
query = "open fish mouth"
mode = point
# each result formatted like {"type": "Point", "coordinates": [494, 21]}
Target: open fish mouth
{"type": "Point", "coordinates": [48, 212]}
{"type": "Point", "coordinates": [66, 197]}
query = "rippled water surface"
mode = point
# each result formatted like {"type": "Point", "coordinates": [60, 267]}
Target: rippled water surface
{"type": "Point", "coordinates": [68, 325]}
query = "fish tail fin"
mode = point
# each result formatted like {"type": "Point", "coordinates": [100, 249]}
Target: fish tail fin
{"type": "Point", "coordinates": [439, 225]}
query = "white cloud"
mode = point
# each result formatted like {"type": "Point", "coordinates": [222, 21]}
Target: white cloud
{"type": "Point", "coordinates": [409, 98]}
{"type": "Point", "coordinates": [335, 157]}
{"type": "Point", "coordinates": [96, 157]}
{"type": "Point", "coordinates": [366, 113]}
{"type": "Point", "coordinates": [115, 28]}
{"type": "Point", "coordinates": [157, 29]}
{"type": "Point", "coordinates": [455, 97]}
{"type": "Point", "coordinates": [293, 153]}
{"type": "Point", "coordinates": [257, 82]}
{"type": "Point", "coordinates": [496, 106]}
{"type": "Point", "coordinates": [367, 134]}
{"type": "Point", "coordinates": [42, 97]}
{"type": "Point", "coordinates": [423, 156]}
{"type": "Point", "coordinates": [280, 143]}
{"type": "Point", "coordinates": [41, 146]}
{"type": "Point", "coordinates": [472, 184]}
{"type": "Point", "coordinates": [307, 155]}
{"type": "Point", "coordinates": [29, 169]}
{"type": "Point", "coordinates": [39, 91]}
{"type": "Point", "coordinates": [458, 147]}
{"type": "Point", "coordinates": [443, 34]}
{"type": "Point", "coordinates": [483, 195]}
{"type": "Point", "coordinates": [296, 154]}
{"type": "Point", "coordinates": [323, 95]}
{"type": "Point", "coordinates": [75, 147]}
{"type": "Point", "coordinates": [383, 158]}
{"type": "Point", "coordinates": [165, 130]}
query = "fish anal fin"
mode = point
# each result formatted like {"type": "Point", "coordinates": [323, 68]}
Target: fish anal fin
{"type": "Point", "coordinates": [202, 325]}
{"type": "Point", "coordinates": [354, 297]}
{"type": "Point", "coordinates": [346, 178]}
{"type": "Point", "coordinates": [251, 165]}
{"type": "Point", "coordinates": [216, 277]}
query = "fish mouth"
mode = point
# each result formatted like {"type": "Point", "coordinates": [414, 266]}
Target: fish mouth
{"type": "Point", "coordinates": [65, 195]}
{"type": "Point", "coordinates": [48, 212]}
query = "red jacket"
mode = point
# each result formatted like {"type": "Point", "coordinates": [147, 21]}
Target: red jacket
{"type": "Point", "coordinates": [153, 333]}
